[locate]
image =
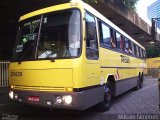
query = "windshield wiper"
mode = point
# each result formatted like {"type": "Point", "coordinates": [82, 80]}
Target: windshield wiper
{"type": "Point", "coordinates": [52, 59]}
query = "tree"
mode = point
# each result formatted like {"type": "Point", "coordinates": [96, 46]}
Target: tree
{"type": "Point", "coordinates": [130, 4]}
{"type": "Point", "coordinates": [153, 51]}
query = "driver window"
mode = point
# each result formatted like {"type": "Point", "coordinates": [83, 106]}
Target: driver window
{"type": "Point", "coordinates": [91, 34]}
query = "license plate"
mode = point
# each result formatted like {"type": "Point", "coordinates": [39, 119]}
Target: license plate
{"type": "Point", "coordinates": [33, 98]}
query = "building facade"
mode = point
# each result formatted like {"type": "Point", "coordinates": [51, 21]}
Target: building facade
{"type": "Point", "coordinates": [153, 11]}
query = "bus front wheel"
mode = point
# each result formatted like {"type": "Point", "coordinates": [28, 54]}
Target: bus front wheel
{"type": "Point", "coordinates": [105, 104]}
{"type": "Point", "coordinates": [141, 79]}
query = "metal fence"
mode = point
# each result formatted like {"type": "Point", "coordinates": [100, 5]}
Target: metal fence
{"type": "Point", "coordinates": [4, 73]}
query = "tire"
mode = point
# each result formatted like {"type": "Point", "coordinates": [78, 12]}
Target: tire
{"type": "Point", "coordinates": [106, 103]}
{"type": "Point", "coordinates": [138, 83]}
{"type": "Point", "coordinates": [141, 81]}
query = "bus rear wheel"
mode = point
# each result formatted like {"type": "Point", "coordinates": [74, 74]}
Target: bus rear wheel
{"type": "Point", "coordinates": [105, 104]}
{"type": "Point", "coordinates": [141, 81]}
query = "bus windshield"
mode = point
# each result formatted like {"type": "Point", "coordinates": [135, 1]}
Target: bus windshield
{"type": "Point", "coordinates": [52, 35]}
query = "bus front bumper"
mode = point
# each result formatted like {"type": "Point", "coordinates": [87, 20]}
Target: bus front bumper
{"type": "Point", "coordinates": [62, 100]}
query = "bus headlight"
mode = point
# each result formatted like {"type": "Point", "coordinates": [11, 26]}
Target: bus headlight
{"type": "Point", "coordinates": [11, 94]}
{"type": "Point", "coordinates": [67, 99]}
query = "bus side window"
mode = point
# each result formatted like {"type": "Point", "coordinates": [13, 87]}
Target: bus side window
{"type": "Point", "coordinates": [126, 46]}
{"type": "Point", "coordinates": [122, 42]}
{"type": "Point", "coordinates": [133, 48]}
{"type": "Point", "coordinates": [129, 47]}
{"type": "Point", "coordinates": [137, 51]}
{"type": "Point", "coordinates": [141, 55]}
{"type": "Point", "coordinates": [144, 54]}
{"type": "Point", "coordinates": [112, 38]}
{"type": "Point", "coordinates": [119, 39]}
{"type": "Point", "coordinates": [104, 35]}
{"type": "Point", "coordinates": [91, 34]}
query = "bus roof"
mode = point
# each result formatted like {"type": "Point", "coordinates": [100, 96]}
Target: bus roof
{"type": "Point", "coordinates": [46, 10]}
{"type": "Point", "coordinates": [79, 4]}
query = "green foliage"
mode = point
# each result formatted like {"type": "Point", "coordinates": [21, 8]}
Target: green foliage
{"type": "Point", "coordinates": [130, 4]}
{"type": "Point", "coordinates": [153, 51]}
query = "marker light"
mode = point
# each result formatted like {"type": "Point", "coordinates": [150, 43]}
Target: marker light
{"type": "Point", "coordinates": [67, 99]}
{"type": "Point", "coordinates": [58, 100]}
{"type": "Point", "coordinates": [11, 94]}
{"type": "Point", "coordinates": [16, 96]}
{"type": "Point", "coordinates": [74, 3]}
{"type": "Point", "coordinates": [20, 100]}
{"type": "Point", "coordinates": [49, 102]}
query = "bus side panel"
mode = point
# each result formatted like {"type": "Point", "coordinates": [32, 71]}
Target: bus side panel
{"type": "Point", "coordinates": [125, 72]}
{"type": "Point", "coordinates": [125, 85]}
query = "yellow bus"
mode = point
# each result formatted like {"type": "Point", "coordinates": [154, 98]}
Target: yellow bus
{"type": "Point", "coordinates": [153, 65]}
{"type": "Point", "coordinates": [69, 56]}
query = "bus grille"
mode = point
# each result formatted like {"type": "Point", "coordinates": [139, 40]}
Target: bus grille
{"type": "Point", "coordinates": [4, 73]}
{"type": "Point", "coordinates": [38, 88]}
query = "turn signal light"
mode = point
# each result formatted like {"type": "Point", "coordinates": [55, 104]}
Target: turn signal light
{"type": "Point", "coordinates": [11, 86]}
{"type": "Point", "coordinates": [69, 89]}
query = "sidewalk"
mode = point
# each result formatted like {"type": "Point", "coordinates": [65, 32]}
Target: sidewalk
{"type": "Point", "coordinates": [4, 95]}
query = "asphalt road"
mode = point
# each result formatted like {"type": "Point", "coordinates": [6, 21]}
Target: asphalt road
{"type": "Point", "coordinates": [141, 105]}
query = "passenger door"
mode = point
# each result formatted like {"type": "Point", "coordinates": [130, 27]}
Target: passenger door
{"type": "Point", "coordinates": [92, 52]}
